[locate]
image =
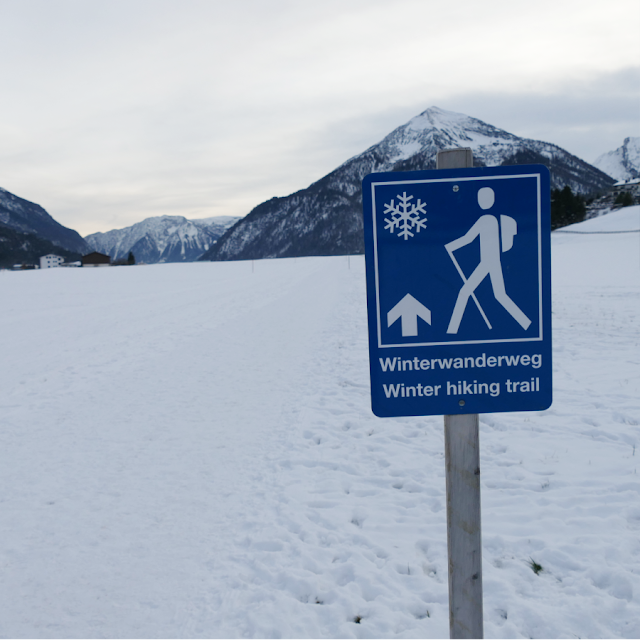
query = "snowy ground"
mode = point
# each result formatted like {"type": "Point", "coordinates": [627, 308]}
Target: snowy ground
{"type": "Point", "coordinates": [187, 450]}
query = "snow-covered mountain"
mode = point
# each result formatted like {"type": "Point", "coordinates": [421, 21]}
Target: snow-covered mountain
{"type": "Point", "coordinates": [623, 163]}
{"type": "Point", "coordinates": [326, 218]}
{"type": "Point", "coordinates": [161, 239]}
{"type": "Point", "coordinates": [27, 217]}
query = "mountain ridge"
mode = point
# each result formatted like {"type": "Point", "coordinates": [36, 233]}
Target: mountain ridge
{"type": "Point", "coordinates": [161, 239]}
{"type": "Point", "coordinates": [27, 217]}
{"type": "Point", "coordinates": [326, 217]}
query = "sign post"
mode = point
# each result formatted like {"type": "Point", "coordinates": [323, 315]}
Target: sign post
{"type": "Point", "coordinates": [462, 462]}
{"type": "Point", "coordinates": [459, 306]}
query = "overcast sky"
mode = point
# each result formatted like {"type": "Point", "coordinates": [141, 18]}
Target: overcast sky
{"type": "Point", "coordinates": [112, 111]}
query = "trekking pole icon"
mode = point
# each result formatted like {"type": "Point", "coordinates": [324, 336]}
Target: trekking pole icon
{"type": "Point", "coordinates": [491, 233]}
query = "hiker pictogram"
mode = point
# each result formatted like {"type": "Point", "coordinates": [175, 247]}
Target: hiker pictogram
{"type": "Point", "coordinates": [495, 238]}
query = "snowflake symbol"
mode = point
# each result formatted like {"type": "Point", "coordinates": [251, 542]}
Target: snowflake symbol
{"type": "Point", "coordinates": [405, 216]}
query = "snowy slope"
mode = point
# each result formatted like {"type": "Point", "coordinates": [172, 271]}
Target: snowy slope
{"type": "Point", "coordinates": [326, 218]}
{"type": "Point", "coordinates": [622, 163]}
{"type": "Point", "coordinates": [187, 450]}
{"type": "Point", "coordinates": [162, 239]}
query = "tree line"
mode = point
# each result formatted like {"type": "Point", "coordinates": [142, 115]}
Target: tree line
{"type": "Point", "coordinates": [568, 207]}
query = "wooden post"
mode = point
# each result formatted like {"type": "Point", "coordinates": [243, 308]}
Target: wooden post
{"type": "Point", "coordinates": [462, 459]}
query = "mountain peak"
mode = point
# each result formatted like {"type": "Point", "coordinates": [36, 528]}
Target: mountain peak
{"type": "Point", "coordinates": [436, 129]}
{"type": "Point", "coordinates": [437, 118]}
{"type": "Point", "coordinates": [622, 163]}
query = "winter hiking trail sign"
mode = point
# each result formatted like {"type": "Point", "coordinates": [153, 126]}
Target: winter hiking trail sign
{"type": "Point", "coordinates": [459, 290]}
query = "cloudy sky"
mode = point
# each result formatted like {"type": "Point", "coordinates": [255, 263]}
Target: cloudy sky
{"type": "Point", "coordinates": [112, 111]}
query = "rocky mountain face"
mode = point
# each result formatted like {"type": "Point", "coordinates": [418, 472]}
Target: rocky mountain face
{"type": "Point", "coordinates": [26, 217]}
{"type": "Point", "coordinates": [161, 239]}
{"type": "Point", "coordinates": [623, 163]}
{"type": "Point", "coordinates": [326, 218]}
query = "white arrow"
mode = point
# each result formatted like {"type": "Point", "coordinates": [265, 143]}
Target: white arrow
{"type": "Point", "coordinates": [409, 309]}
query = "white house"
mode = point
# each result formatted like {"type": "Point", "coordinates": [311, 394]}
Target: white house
{"type": "Point", "coordinates": [51, 260]}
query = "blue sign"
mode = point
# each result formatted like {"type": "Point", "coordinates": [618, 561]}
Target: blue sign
{"type": "Point", "coordinates": [459, 290]}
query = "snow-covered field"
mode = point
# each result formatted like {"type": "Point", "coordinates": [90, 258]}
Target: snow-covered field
{"type": "Point", "coordinates": [187, 450]}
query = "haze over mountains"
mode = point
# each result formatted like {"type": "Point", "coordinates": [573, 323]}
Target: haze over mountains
{"type": "Point", "coordinates": [326, 218]}
{"type": "Point", "coordinates": [323, 219]}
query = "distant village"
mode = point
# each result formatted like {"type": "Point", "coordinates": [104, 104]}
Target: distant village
{"type": "Point", "coordinates": [93, 259]}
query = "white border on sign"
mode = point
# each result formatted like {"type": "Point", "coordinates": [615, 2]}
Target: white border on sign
{"type": "Point", "coordinates": [538, 338]}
